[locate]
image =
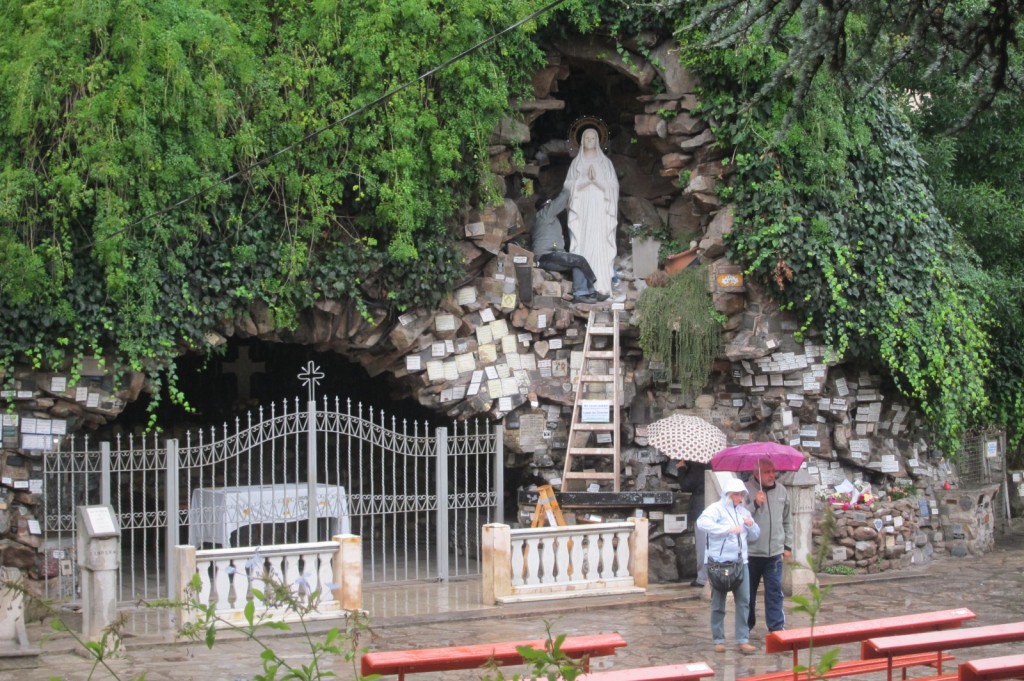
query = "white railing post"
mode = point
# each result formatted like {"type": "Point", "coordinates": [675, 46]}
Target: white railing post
{"type": "Point", "coordinates": [638, 555]}
{"type": "Point", "coordinates": [496, 547]}
{"type": "Point", "coordinates": [348, 571]}
{"type": "Point", "coordinates": [181, 580]}
{"type": "Point", "coordinates": [441, 487]}
{"type": "Point", "coordinates": [171, 505]}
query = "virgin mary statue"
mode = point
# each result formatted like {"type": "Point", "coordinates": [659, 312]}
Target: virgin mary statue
{"type": "Point", "coordinates": [593, 209]}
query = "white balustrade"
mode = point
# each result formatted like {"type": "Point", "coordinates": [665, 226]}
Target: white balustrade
{"type": "Point", "coordinates": [227, 577]}
{"type": "Point", "coordinates": [561, 562]}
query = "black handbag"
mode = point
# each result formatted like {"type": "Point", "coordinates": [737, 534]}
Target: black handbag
{"type": "Point", "coordinates": [725, 575]}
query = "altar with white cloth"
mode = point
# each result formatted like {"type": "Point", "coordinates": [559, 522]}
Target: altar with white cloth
{"type": "Point", "coordinates": [215, 512]}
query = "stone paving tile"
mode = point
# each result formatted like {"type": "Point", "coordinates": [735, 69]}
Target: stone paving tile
{"type": "Point", "coordinates": [668, 630]}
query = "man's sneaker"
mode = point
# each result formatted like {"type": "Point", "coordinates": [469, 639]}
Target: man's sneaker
{"type": "Point", "coordinates": [719, 647]}
{"type": "Point", "coordinates": [587, 299]}
{"type": "Point", "coordinates": [746, 648]}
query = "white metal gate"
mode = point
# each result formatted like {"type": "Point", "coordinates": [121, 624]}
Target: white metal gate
{"type": "Point", "coordinates": [417, 497]}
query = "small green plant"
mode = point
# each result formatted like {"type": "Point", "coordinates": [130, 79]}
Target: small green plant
{"type": "Point", "coordinates": [550, 663]}
{"type": "Point", "coordinates": [810, 605]}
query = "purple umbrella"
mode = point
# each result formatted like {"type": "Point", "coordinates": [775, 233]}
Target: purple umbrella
{"type": "Point", "coordinates": [745, 457]}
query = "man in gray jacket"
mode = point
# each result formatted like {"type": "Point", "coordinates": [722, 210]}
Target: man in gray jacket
{"type": "Point", "coordinates": [768, 503]}
{"type": "Point", "coordinates": [549, 249]}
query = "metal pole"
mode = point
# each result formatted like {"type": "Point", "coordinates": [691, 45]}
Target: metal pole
{"type": "Point", "coordinates": [499, 474]}
{"type": "Point", "coordinates": [441, 486]}
{"type": "Point", "coordinates": [105, 473]}
{"type": "Point", "coordinates": [173, 523]}
{"type": "Point", "coordinates": [311, 469]}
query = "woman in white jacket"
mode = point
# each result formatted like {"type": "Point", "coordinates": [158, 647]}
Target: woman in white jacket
{"type": "Point", "coordinates": [728, 524]}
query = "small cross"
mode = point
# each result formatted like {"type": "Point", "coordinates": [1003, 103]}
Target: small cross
{"type": "Point", "coordinates": [311, 376]}
{"type": "Point", "coordinates": [243, 368]}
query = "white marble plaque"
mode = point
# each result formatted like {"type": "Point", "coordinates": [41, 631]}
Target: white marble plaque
{"type": "Point", "coordinates": [487, 315]}
{"type": "Point", "coordinates": [451, 370]}
{"type": "Point", "coordinates": [555, 343]}
{"type": "Point", "coordinates": [509, 344]}
{"type": "Point", "coordinates": [499, 329]}
{"type": "Point", "coordinates": [437, 349]}
{"type": "Point", "coordinates": [465, 363]}
{"type": "Point", "coordinates": [484, 335]}
{"type": "Point", "coordinates": [58, 384]}
{"type": "Point", "coordinates": [514, 360]}
{"type": "Point", "coordinates": [494, 387]}
{"type": "Point", "coordinates": [491, 372]}
{"type": "Point", "coordinates": [435, 370]}
{"type": "Point", "coordinates": [466, 295]}
{"type": "Point", "coordinates": [444, 322]}
{"type": "Point", "coordinates": [505, 404]}
{"type": "Point", "coordinates": [544, 367]}
{"type": "Point", "coordinates": [542, 321]}
{"type": "Point", "coordinates": [488, 353]}
{"type": "Point", "coordinates": [81, 394]}
{"type": "Point", "coordinates": [413, 363]}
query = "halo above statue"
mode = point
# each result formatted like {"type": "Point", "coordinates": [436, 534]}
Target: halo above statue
{"type": "Point", "coordinates": [581, 124]}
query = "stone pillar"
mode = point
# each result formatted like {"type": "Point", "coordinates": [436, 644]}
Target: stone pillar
{"type": "Point", "coordinates": [797, 576]}
{"type": "Point", "coordinates": [99, 558]}
{"type": "Point", "coordinates": [15, 652]}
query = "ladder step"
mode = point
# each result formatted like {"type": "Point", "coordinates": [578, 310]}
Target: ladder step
{"type": "Point", "coordinates": [602, 331]}
{"type": "Point", "coordinates": [592, 451]}
{"type": "Point", "coordinates": [595, 426]}
{"type": "Point", "coordinates": [593, 475]}
{"type": "Point", "coordinates": [597, 378]}
{"type": "Point", "coordinates": [599, 354]}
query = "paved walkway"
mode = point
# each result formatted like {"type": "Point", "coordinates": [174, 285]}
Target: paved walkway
{"type": "Point", "coordinates": [669, 625]}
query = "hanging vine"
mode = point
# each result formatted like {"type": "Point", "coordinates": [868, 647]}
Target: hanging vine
{"type": "Point", "coordinates": [679, 326]}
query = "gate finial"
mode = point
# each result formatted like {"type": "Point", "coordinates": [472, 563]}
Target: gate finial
{"type": "Point", "coordinates": [311, 376]}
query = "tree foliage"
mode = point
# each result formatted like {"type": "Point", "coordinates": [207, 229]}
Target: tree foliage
{"type": "Point", "coordinates": [834, 211]}
{"type": "Point", "coordinates": [113, 111]}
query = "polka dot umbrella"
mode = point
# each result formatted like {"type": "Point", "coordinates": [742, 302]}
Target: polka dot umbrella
{"type": "Point", "coordinates": [686, 438]}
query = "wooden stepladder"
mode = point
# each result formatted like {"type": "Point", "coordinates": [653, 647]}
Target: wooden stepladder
{"type": "Point", "coordinates": [547, 508]}
{"type": "Point", "coordinates": [594, 430]}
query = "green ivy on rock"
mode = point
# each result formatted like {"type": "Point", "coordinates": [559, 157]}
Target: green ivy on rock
{"type": "Point", "coordinates": [115, 110]}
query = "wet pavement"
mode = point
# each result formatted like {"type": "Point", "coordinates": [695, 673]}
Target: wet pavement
{"type": "Point", "coordinates": [667, 626]}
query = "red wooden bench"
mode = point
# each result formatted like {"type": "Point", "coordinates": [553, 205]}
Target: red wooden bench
{"type": "Point", "coordinates": [829, 635]}
{"type": "Point", "coordinates": [669, 672]}
{"type": "Point", "coordinates": [936, 642]}
{"type": "Point", "coordinates": [402, 662]}
{"type": "Point", "coordinates": [993, 668]}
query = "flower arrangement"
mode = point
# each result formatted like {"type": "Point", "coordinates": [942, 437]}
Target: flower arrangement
{"type": "Point", "coordinates": [851, 496]}
{"type": "Point", "coordinates": [900, 489]}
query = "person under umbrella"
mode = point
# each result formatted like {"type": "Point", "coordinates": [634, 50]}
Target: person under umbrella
{"type": "Point", "coordinates": [768, 503]}
{"type": "Point", "coordinates": [730, 526]}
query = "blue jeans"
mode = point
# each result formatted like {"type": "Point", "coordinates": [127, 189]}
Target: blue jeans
{"type": "Point", "coordinates": [769, 568]}
{"type": "Point", "coordinates": [742, 597]}
{"type": "Point", "coordinates": [583, 276]}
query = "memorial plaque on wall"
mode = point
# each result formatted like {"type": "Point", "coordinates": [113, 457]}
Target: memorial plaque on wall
{"type": "Point", "coordinates": [531, 431]}
{"type": "Point", "coordinates": [488, 353]}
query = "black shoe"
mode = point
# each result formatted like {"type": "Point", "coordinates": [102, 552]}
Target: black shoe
{"type": "Point", "coordinates": [587, 299]}
{"type": "Point", "coordinates": [601, 297]}
{"type": "Point", "coordinates": [696, 583]}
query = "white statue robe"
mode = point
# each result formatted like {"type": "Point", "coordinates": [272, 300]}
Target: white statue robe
{"type": "Point", "coordinates": [593, 213]}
